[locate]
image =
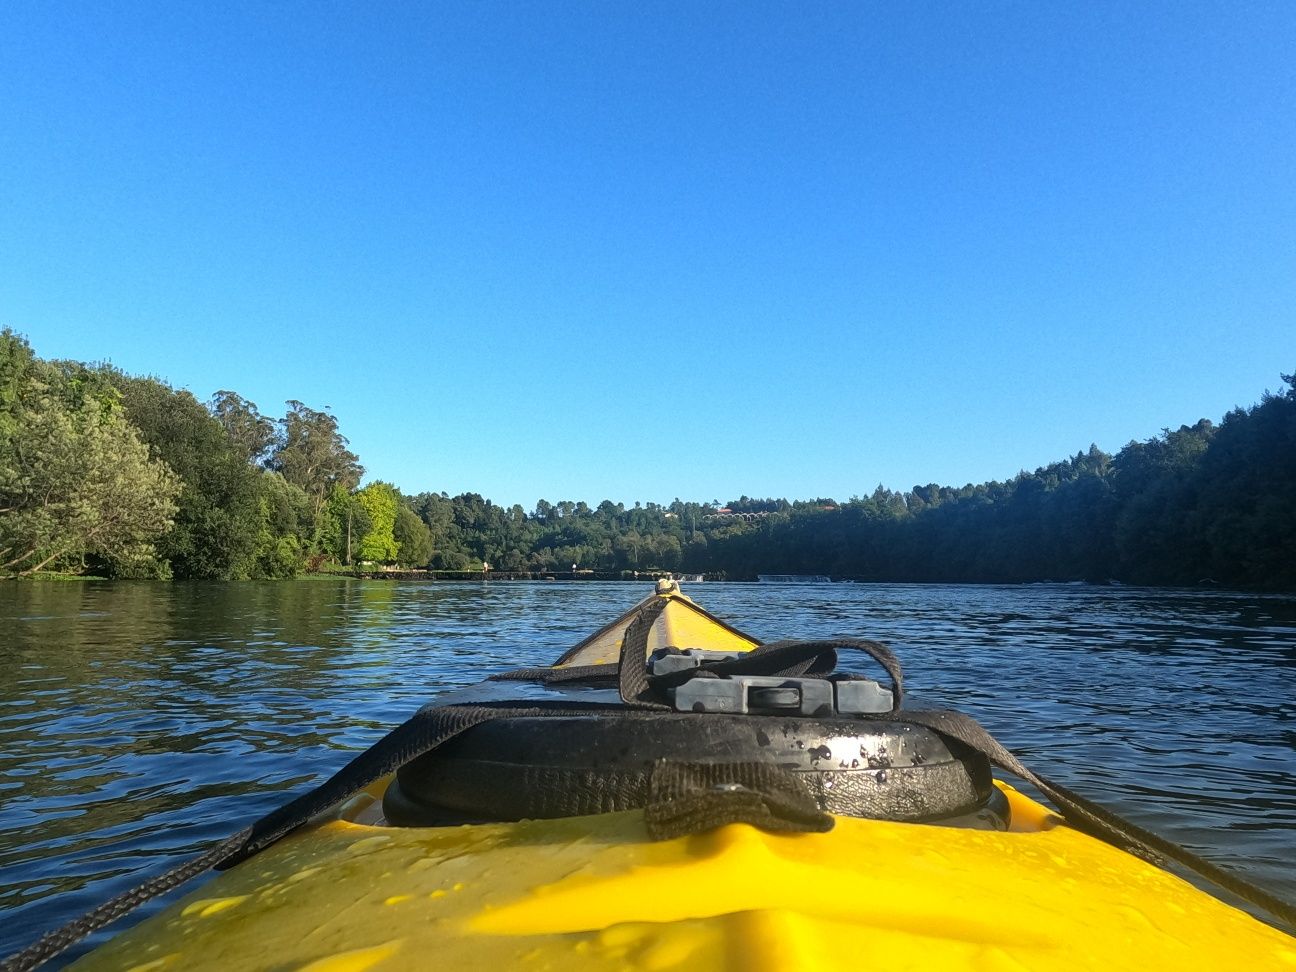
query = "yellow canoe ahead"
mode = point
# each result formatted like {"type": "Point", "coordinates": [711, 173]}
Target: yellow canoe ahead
{"type": "Point", "coordinates": [593, 892]}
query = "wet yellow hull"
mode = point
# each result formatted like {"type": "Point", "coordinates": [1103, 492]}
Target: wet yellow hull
{"type": "Point", "coordinates": [594, 893]}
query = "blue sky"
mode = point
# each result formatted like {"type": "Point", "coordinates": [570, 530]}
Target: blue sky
{"type": "Point", "coordinates": [656, 250]}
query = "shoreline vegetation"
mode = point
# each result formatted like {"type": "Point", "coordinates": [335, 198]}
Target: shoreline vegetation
{"type": "Point", "coordinates": [109, 475]}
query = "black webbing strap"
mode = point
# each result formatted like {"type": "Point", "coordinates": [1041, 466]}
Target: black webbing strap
{"type": "Point", "coordinates": [690, 798]}
{"type": "Point", "coordinates": [423, 732]}
{"type": "Point", "coordinates": [632, 666]}
{"type": "Point", "coordinates": [782, 659]}
{"type": "Point", "coordinates": [1097, 820]}
{"type": "Point", "coordinates": [791, 659]}
{"type": "Point", "coordinates": [631, 679]}
{"type": "Point", "coordinates": [63, 937]}
{"type": "Point", "coordinates": [431, 727]}
{"type": "Point", "coordinates": [572, 673]}
{"type": "Point", "coordinates": [816, 658]}
{"type": "Point", "coordinates": [685, 797]}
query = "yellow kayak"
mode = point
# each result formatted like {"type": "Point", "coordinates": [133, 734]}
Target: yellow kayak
{"type": "Point", "coordinates": [1000, 883]}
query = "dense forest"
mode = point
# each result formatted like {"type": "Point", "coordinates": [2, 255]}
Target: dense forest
{"type": "Point", "coordinates": [116, 475]}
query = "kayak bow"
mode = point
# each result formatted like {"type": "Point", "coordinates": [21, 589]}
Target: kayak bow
{"type": "Point", "coordinates": [967, 873]}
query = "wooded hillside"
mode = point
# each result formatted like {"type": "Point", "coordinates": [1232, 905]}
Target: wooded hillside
{"type": "Point", "coordinates": [125, 476]}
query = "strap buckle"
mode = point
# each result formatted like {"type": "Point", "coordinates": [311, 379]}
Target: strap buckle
{"type": "Point", "coordinates": [764, 694]}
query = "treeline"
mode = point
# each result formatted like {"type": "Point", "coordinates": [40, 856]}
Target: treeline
{"type": "Point", "coordinates": [122, 476]}
{"type": "Point", "coordinates": [1203, 503]}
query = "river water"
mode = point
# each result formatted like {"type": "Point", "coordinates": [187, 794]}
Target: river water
{"type": "Point", "coordinates": [138, 721]}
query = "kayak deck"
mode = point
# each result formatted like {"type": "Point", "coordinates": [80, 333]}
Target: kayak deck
{"type": "Point", "coordinates": [682, 623]}
{"type": "Point", "coordinates": [594, 893]}
{"type": "Point", "coordinates": [350, 893]}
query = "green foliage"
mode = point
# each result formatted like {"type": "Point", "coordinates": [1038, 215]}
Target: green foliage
{"type": "Point", "coordinates": [313, 454]}
{"type": "Point", "coordinates": [250, 433]}
{"type": "Point", "coordinates": [413, 538]}
{"type": "Point", "coordinates": [339, 525]}
{"type": "Point", "coordinates": [131, 477]}
{"type": "Point", "coordinates": [284, 520]}
{"type": "Point", "coordinates": [380, 503]}
{"type": "Point", "coordinates": [217, 523]}
{"type": "Point", "coordinates": [1196, 503]}
{"type": "Point", "coordinates": [75, 479]}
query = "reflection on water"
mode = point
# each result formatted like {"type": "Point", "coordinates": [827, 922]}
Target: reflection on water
{"type": "Point", "coordinates": [140, 721]}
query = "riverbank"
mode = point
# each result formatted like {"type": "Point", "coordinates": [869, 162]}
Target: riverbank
{"type": "Point", "coordinates": [636, 576]}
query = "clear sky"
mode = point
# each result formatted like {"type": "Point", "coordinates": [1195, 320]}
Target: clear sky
{"type": "Point", "coordinates": [640, 251]}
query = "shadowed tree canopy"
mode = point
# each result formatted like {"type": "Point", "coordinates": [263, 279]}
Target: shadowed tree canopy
{"type": "Point", "coordinates": [218, 516]}
{"type": "Point", "coordinates": [413, 538]}
{"type": "Point", "coordinates": [251, 434]}
{"type": "Point", "coordinates": [313, 454]}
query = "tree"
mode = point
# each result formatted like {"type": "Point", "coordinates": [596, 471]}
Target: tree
{"type": "Point", "coordinates": [218, 517]}
{"type": "Point", "coordinates": [341, 524]}
{"type": "Point", "coordinates": [75, 479]}
{"type": "Point", "coordinates": [312, 454]}
{"type": "Point", "coordinates": [251, 434]}
{"type": "Point", "coordinates": [285, 520]}
{"type": "Point", "coordinates": [413, 538]}
{"type": "Point", "coordinates": [380, 502]}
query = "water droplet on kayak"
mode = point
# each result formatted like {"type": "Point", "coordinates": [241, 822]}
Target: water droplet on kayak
{"type": "Point", "coordinates": [206, 907]}
{"type": "Point", "coordinates": [367, 844]}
